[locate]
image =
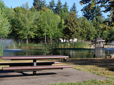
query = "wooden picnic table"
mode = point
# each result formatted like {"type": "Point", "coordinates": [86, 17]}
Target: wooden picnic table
{"type": "Point", "coordinates": [34, 66]}
{"type": "Point", "coordinates": [34, 57]}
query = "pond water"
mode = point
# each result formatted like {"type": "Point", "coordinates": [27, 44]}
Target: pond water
{"type": "Point", "coordinates": [71, 52]}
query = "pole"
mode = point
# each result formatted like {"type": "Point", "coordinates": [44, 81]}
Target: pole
{"type": "Point", "coordinates": [34, 64]}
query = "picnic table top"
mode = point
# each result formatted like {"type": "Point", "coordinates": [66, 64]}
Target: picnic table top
{"type": "Point", "coordinates": [34, 57]}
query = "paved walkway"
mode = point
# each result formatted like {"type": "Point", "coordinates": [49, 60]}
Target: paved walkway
{"type": "Point", "coordinates": [46, 77]}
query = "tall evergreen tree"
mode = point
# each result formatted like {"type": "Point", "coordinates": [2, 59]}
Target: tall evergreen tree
{"type": "Point", "coordinates": [107, 4]}
{"type": "Point", "coordinates": [65, 7]}
{"type": "Point", "coordinates": [88, 31]}
{"type": "Point", "coordinates": [38, 4]}
{"type": "Point", "coordinates": [91, 12]}
{"type": "Point", "coordinates": [52, 5]}
{"type": "Point", "coordinates": [98, 11]}
{"type": "Point", "coordinates": [58, 7]}
{"type": "Point", "coordinates": [64, 11]}
{"type": "Point", "coordinates": [72, 28]}
{"type": "Point", "coordinates": [111, 34]}
{"type": "Point", "coordinates": [73, 8]}
{"type": "Point", "coordinates": [112, 14]}
{"type": "Point", "coordinates": [88, 12]}
{"type": "Point", "coordinates": [97, 21]}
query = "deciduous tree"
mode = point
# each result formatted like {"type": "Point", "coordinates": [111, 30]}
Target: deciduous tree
{"type": "Point", "coordinates": [5, 27]}
{"type": "Point", "coordinates": [24, 22]}
{"type": "Point", "coordinates": [50, 21]}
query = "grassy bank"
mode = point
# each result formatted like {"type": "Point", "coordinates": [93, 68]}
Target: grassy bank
{"type": "Point", "coordinates": [54, 45]}
{"type": "Point", "coordinates": [89, 82]}
{"type": "Point", "coordinates": [102, 67]}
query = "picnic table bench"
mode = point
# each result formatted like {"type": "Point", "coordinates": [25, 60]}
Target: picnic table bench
{"type": "Point", "coordinates": [33, 65]}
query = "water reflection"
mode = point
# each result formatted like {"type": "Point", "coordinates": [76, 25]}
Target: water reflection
{"type": "Point", "coordinates": [72, 53]}
{"type": "Point", "coordinates": [76, 52]}
{"type": "Point", "coordinates": [10, 52]}
{"type": "Point", "coordinates": [99, 53]}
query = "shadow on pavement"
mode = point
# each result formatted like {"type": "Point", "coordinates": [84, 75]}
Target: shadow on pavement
{"type": "Point", "coordinates": [4, 74]}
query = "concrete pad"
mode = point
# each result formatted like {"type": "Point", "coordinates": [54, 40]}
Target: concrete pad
{"type": "Point", "coordinates": [46, 77]}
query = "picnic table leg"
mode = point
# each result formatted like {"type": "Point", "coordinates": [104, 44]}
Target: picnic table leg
{"type": "Point", "coordinates": [34, 64]}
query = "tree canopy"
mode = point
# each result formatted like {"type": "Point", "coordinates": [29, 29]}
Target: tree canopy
{"type": "Point", "coordinates": [5, 27]}
{"type": "Point", "coordinates": [55, 21]}
{"type": "Point", "coordinates": [38, 4]}
{"type": "Point", "coordinates": [72, 26]}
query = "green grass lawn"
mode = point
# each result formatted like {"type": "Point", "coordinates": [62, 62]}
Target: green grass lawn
{"type": "Point", "coordinates": [90, 82]}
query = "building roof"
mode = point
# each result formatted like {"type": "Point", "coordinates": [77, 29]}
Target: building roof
{"type": "Point", "coordinates": [98, 39]}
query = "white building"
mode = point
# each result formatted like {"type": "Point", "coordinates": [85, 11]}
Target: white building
{"type": "Point", "coordinates": [70, 40]}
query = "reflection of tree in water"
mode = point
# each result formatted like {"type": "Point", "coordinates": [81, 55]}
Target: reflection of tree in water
{"type": "Point", "coordinates": [61, 52]}
{"type": "Point", "coordinates": [99, 53]}
{"type": "Point", "coordinates": [29, 52]}
{"type": "Point", "coordinates": [74, 53]}
{"type": "Point", "coordinates": [82, 54]}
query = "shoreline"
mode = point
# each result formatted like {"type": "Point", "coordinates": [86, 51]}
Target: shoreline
{"type": "Point", "coordinates": [105, 46]}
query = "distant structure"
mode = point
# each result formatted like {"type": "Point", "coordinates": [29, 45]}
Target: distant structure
{"type": "Point", "coordinates": [99, 42]}
{"type": "Point", "coordinates": [70, 40]}
{"type": "Point", "coordinates": [99, 52]}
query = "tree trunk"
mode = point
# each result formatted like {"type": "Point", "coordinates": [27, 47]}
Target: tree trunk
{"type": "Point", "coordinates": [51, 40]}
{"type": "Point", "coordinates": [27, 41]}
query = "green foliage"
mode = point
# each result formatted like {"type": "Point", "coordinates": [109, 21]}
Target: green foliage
{"type": "Point", "coordinates": [89, 82]}
{"type": "Point", "coordinates": [72, 28]}
{"type": "Point", "coordinates": [23, 22]}
{"type": "Point", "coordinates": [49, 20]}
{"type": "Point", "coordinates": [97, 11]}
{"type": "Point", "coordinates": [107, 4]}
{"type": "Point", "coordinates": [71, 45]}
{"type": "Point", "coordinates": [111, 34]}
{"type": "Point", "coordinates": [63, 15]}
{"type": "Point", "coordinates": [4, 23]}
{"type": "Point", "coordinates": [88, 32]}
{"type": "Point", "coordinates": [80, 45]}
{"type": "Point", "coordinates": [31, 23]}
{"type": "Point", "coordinates": [38, 4]}
{"type": "Point", "coordinates": [73, 8]}
{"type": "Point", "coordinates": [58, 7]}
{"type": "Point", "coordinates": [111, 16]}
{"type": "Point", "coordinates": [1, 50]}
{"type": "Point", "coordinates": [2, 7]}
{"type": "Point", "coordinates": [88, 12]}
{"type": "Point", "coordinates": [51, 5]}
{"type": "Point", "coordinates": [65, 7]}
{"type": "Point", "coordinates": [96, 23]}
{"type": "Point", "coordinates": [4, 26]}
{"type": "Point", "coordinates": [91, 10]}
{"type": "Point", "coordinates": [64, 12]}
